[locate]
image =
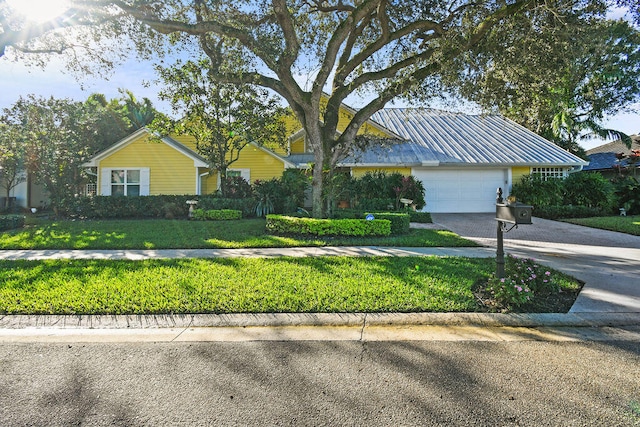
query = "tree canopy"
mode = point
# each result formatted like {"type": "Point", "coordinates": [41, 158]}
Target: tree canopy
{"type": "Point", "coordinates": [315, 54]}
{"type": "Point", "coordinates": [560, 83]}
{"type": "Point", "coordinates": [223, 118]}
{"type": "Point", "coordinates": [51, 138]}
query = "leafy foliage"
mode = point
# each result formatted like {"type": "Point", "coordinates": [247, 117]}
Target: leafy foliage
{"type": "Point", "coordinates": [10, 222]}
{"type": "Point", "coordinates": [223, 118]}
{"type": "Point", "coordinates": [524, 280]}
{"type": "Point", "coordinates": [279, 224]}
{"type": "Point", "coordinates": [581, 194]}
{"type": "Point", "coordinates": [11, 158]}
{"type": "Point", "coordinates": [377, 190]}
{"type": "Point", "coordinates": [627, 191]}
{"type": "Point", "coordinates": [216, 214]}
{"type": "Point", "coordinates": [558, 72]}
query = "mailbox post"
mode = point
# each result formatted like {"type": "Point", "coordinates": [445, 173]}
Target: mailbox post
{"type": "Point", "coordinates": [513, 213]}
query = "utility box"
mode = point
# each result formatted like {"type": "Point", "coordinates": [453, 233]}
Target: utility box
{"type": "Point", "coordinates": [514, 213]}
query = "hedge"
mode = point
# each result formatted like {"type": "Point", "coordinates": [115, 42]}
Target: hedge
{"type": "Point", "coordinates": [280, 224]}
{"type": "Point", "coordinates": [421, 217]}
{"type": "Point", "coordinates": [400, 223]}
{"type": "Point", "coordinates": [9, 222]}
{"type": "Point", "coordinates": [159, 206]}
{"type": "Point", "coordinates": [567, 211]}
{"type": "Point", "coordinates": [216, 214]}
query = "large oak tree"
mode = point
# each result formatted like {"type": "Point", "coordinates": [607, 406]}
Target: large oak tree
{"type": "Point", "coordinates": [312, 51]}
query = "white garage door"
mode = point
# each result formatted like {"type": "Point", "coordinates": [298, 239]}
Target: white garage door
{"type": "Point", "coordinates": [459, 191]}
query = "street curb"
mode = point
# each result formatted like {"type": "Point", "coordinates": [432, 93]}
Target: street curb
{"type": "Point", "coordinates": [317, 319]}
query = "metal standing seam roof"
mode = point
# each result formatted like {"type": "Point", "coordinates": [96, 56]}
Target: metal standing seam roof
{"type": "Point", "coordinates": [462, 139]}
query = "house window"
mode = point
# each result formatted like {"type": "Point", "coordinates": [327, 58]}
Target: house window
{"type": "Point", "coordinates": [125, 182]}
{"type": "Point", "coordinates": [244, 173]}
{"type": "Point", "coordinates": [548, 173]}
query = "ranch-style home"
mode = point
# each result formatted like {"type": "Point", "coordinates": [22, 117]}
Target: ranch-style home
{"type": "Point", "coordinates": [461, 159]}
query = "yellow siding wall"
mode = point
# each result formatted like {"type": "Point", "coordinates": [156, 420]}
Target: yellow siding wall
{"type": "Point", "coordinates": [517, 172]}
{"type": "Point", "coordinates": [262, 165]}
{"type": "Point", "coordinates": [187, 141]}
{"type": "Point", "coordinates": [358, 172]}
{"type": "Point", "coordinates": [159, 158]}
{"type": "Point", "coordinates": [298, 147]}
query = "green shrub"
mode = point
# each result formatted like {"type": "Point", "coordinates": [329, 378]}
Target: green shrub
{"type": "Point", "coordinates": [567, 211]}
{"type": "Point", "coordinates": [421, 217]}
{"type": "Point", "coordinates": [537, 192]}
{"type": "Point", "coordinates": [588, 189]}
{"type": "Point", "coordinates": [400, 223]}
{"type": "Point", "coordinates": [279, 224]}
{"type": "Point", "coordinates": [236, 187]}
{"type": "Point", "coordinates": [375, 204]}
{"type": "Point", "coordinates": [294, 184]}
{"type": "Point", "coordinates": [281, 195]}
{"type": "Point", "coordinates": [268, 195]}
{"type": "Point", "coordinates": [214, 202]}
{"type": "Point", "coordinates": [216, 214]}
{"type": "Point", "coordinates": [523, 281]}
{"type": "Point", "coordinates": [10, 222]}
{"type": "Point", "coordinates": [627, 192]}
{"type": "Point", "coordinates": [160, 206]}
{"type": "Point", "coordinates": [109, 207]}
{"type": "Point", "coordinates": [381, 191]}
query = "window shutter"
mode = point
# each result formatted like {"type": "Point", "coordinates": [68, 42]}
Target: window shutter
{"type": "Point", "coordinates": [144, 181]}
{"type": "Point", "coordinates": [105, 182]}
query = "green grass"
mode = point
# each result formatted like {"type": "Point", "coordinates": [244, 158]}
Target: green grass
{"type": "Point", "coordinates": [623, 224]}
{"type": "Point", "coordinates": [246, 285]}
{"type": "Point", "coordinates": [180, 234]}
{"type": "Point", "coordinates": [319, 284]}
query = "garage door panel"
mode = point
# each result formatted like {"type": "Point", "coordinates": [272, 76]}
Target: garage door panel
{"type": "Point", "coordinates": [461, 190]}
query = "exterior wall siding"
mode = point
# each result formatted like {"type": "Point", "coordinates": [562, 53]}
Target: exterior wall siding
{"type": "Point", "coordinates": [517, 172]}
{"type": "Point", "coordinates": [159, 158]}
{"type": "Point", "coordinates": [263, 166]}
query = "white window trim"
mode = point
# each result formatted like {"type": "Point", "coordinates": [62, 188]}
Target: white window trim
{"type": "Point", "coordinates": [105, 180]}
{"type": "Point", "coordinates": [550, 172]}
{"type": "Point", "coordinates": [244, 173]}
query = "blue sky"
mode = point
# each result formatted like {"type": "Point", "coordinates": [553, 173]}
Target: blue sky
{"type": "Point", "coordinates": [17, 80]}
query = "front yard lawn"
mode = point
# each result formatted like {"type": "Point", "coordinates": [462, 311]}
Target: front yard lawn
{"type": "Point", "coordinates": [250, 285]}
{"type": "Point", "coordinates": [623, 224]}
{"type": "Point", "coordinates": [182, 234]}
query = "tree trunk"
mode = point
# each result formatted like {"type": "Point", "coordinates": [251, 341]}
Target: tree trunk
{"type": "Point", "coordinates": [317, 187]}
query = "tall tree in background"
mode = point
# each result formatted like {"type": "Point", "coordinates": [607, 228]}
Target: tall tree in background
{"type": "Point", "coordinates": [223, 118]}
{"type": "Point", "coordinates": [48, 129]}
{"type": "Point", "coordinates": [139, 113]}
{"type": "Point", "coordinates": [51, 138]}
{"type": "Point", "coordinates": [12, 170]}
{"type": "Point", "coordinates": [562, 83]}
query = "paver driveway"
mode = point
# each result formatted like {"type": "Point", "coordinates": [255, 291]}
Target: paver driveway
{"type": "Point", "coordinates": [608, 262]}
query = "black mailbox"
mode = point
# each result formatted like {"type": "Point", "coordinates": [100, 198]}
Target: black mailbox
{"type": "Point", "coordinates": [515, 213]}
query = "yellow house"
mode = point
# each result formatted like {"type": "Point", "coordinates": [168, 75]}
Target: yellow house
{"type": "Point", "coordinates": [461, 159]}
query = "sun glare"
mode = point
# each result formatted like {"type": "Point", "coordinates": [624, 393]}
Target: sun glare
{"type": "Point", "coordinates": [38, 11]}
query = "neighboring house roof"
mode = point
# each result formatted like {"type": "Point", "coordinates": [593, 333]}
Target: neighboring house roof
{"type": "Point", "coordinates": [198, 160]}
{"type": "Point", "coordinates": [603, 157]}
{"type": "Point", "coordinates": [435, 137]}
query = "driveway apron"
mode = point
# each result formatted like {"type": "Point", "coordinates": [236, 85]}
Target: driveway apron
{"type": "Point", "coordinates": [608, 262]}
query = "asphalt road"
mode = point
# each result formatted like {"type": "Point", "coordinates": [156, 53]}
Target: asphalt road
{"type": "Point", "coordinates": [321, 383]}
